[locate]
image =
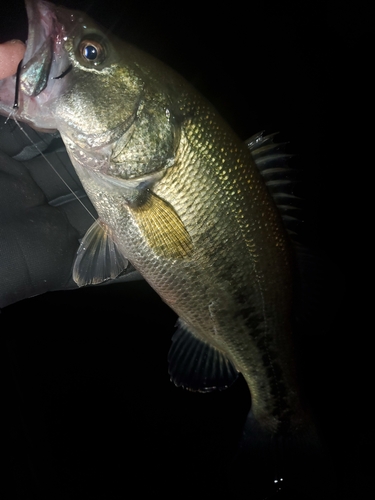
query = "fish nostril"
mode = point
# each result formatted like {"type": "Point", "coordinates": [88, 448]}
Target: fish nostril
{"type": "Point", "coordinates": [64, 73]}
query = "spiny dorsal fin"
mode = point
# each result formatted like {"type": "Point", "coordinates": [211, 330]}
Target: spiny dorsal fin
{"type": "Point", "coordinates": [272, 163]}
{"type": "Point", "coordinates": [162, 227]}
{"type": "Point", "coordinates": [196, 365]}
{"type": "Point", "coordinates": [98, 258]}
{"type": "Point", "coordinates": [310, 286]}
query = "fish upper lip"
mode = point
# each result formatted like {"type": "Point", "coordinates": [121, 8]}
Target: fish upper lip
{"type": "Point", "coordinates": [41, 24]}
{"type": "Point", "coordinates": [45, 34]}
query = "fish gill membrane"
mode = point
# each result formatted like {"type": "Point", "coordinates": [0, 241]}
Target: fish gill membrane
{"type": "Point", "coordinates": [184, 200]}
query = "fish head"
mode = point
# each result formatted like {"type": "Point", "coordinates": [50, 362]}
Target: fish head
{"type": "Point", "coordinates": [114, 115]}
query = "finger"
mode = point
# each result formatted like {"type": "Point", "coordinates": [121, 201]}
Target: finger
{"type": "Point", "coordinates": [11, 53]}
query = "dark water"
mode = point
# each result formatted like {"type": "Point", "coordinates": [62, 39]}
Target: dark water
{"type": "Point", "coordinates": [89, 409]}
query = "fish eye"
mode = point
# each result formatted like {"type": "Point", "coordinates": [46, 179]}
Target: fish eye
{"type": "Point", "coordinates": [92, 51]}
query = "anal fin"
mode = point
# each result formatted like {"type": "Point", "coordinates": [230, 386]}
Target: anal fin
{"type": "Point", "coordinates": [196, 365]}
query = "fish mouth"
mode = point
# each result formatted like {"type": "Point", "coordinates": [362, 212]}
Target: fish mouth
{"type": "Point", "coordinates": [24, 95]}
{"type": "Point", "coordinates": [41, 21]}
{"type": "Point", "coordinates": [45, 36]}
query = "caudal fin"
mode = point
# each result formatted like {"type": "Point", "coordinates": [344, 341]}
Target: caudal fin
{"type": "Point", "coordinates": [290, 466]}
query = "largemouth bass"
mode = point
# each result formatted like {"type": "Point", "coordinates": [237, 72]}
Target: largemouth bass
{"type": "Point", "coordinates": [180, 196]}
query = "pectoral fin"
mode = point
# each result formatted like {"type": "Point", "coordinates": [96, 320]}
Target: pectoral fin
{"type": "Point", "coordinates": [98, 258]}
{"type": "Point", "coordinates": [196, 365]}
{"type": "Point", "coordinates": [162, 227]}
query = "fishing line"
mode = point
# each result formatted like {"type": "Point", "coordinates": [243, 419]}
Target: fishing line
{"type": "Point", "coordinates": [12, 116]}
{"type": "Point", "coordinates": [95, 219]}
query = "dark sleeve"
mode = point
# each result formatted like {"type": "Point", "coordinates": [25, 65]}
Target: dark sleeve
{"type": "Point", "coordinates": [41, 219]}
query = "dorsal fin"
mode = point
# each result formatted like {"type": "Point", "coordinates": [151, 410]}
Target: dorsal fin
{"type": "Point", "coordinates": [279, 177]}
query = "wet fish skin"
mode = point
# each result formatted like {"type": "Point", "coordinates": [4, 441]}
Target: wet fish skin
{"type": "Point", "coordinates": [180, 195]}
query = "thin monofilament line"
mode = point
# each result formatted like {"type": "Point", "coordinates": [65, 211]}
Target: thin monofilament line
{"type": "Point", "coordinates": [11, 116]}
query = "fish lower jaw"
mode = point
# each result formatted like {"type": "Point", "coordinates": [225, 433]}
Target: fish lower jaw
{"type": "Point", "coordinates": [87, 159]}
{"type": "Point", "coordinates": [93, 163]}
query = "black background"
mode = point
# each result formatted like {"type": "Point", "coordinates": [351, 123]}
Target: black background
{"type": "Point", "coordinates": [90, 411]}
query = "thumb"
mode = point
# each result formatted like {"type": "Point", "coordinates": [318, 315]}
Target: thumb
{"type": "Point", "coordinates": [11, 54]}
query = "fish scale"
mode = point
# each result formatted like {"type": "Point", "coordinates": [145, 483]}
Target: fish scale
{"type": "Point", "coordinates": [224, 272]}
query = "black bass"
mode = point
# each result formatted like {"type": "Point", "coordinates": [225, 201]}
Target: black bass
{"type": "Point", "coordinates": [180, 196]}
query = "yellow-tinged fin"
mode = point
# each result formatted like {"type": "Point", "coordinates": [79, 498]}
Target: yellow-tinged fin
{"type": "Point", "coordinates": [162, 228]}
{"type": "Point", "coordinates": [98, 258]}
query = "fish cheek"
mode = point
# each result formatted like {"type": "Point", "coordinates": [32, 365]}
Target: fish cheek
{"type": "Point", "coordinates": [149, 145]}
